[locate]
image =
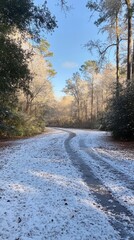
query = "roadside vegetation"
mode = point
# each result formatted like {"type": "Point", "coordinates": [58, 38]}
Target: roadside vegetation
{"type": "Point", "coordinates": [100, 95]}
{"type": "Point", "coordinates": [24, 71]}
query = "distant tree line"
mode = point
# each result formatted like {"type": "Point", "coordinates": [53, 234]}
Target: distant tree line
{"type": "Point", "coordinates": [87, 94]}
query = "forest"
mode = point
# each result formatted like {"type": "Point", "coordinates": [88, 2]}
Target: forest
{"type": "Point", "coordinates": [100, 95]}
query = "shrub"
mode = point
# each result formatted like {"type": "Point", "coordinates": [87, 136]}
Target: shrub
{"type": "Point", "coordinates": [120, 116]}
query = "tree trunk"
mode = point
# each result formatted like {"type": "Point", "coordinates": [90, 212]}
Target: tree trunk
{"type": "Point", "coordinates": [117, 56]}
{"type": "Point", "coordinates": [86, 114]}
{"type": "Point", "coordinates": [78, 110]}
{"type": "Point", "coordinates": [97, 108]}
{"type": "Point", "coordinates": [92, 100]}
{"type": "Point", "coordinates": [133, 64]}
{"type": "Point", "coordinates": [27, 104]}
{"type": "Point", "coordinates": [129, 47]}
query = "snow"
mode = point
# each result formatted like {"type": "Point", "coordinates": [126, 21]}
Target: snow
{"type": "Point", "coordinates": [43, 196]}
{"type": "Point", "coordinates": [121, 161]}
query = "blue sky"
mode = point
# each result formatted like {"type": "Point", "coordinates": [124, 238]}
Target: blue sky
{"type": "Point", "coordinates": [67, 41]}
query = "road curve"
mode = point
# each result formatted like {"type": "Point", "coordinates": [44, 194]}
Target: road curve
{"type": "Point", "coordinates": [58, 186]}
{"type": "Point", "coordinates": [119, 216]}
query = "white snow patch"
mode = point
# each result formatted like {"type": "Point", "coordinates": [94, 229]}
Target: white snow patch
{"type": "Point", "coordinates": [94, 140]}
{"type": "Point", "coordinates": [42, 195]}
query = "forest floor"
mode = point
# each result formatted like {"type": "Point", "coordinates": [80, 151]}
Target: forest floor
{"type": "Point", "coordinates": [67, 185]}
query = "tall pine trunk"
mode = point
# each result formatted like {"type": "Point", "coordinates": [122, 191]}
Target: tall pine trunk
{"type": "Point", "coordinates": [133, 64]}
{"type": "Point", "coordinates": [129, 47]}
{"type": "Point", "coordinates": [92, 100]}
{"type": "Point", "coordinates": [117, 56]}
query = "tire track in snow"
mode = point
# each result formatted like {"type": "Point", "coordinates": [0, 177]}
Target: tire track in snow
{"type": "Point", "coordinates": [120, 218]}
{"type": "Point", "coordinates": [107, 166]}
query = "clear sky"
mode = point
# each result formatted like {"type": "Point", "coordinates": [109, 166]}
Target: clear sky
{"type": "Point", "coordinates": [67, 41]}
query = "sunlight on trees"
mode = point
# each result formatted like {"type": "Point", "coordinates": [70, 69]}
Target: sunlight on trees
{"type": "Point", "coordinates": [99, 95]}
{"type": "Point", "coordinates": [28, 20]}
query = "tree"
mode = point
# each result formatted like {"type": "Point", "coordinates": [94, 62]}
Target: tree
{"type": "Point", "coordinates": [110, 10]}
{"type": "Point", "coordinates": [43, 47]}
{"type": "Point", "coordinates": [14, 73]}
{"type": "Point", "coordinates": [73, 88]}
{"type": "Point", "coordinates": [120, 115]}
{"type": "Point", "coordinates": [23, 16]}
{"type": "Point", "coordinates": [42, 72]}
{"type": "Point", "coordinates": [76, 87]}
{"type": "Point", "coordinates": [130, 40]}
{"type": "Point", "coordinates": [89, 69]}
{"type": "Point", "coordinates": [109, 14]}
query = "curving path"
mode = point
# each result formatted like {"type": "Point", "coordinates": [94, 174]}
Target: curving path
{"type": "Point", "coordinates": [119, 216]}
{"type": "Point", "coordinates": [67, 184]}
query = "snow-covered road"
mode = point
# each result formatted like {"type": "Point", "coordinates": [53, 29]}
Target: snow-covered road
{"type": "Point", "coordinates": [66, 185]}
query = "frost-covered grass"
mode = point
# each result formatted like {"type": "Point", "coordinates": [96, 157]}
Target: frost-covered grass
{"type": "Point", "coordinates": [42, 196]}
{"type": "Point", "coordinates": [117, 158]}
